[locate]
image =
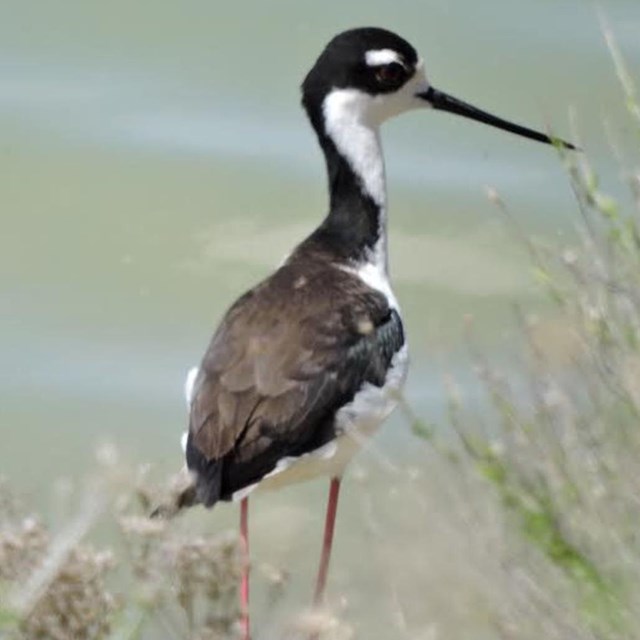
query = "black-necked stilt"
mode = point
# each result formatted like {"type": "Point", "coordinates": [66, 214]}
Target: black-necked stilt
{"type": "Point", "coordinates": [309, 362]}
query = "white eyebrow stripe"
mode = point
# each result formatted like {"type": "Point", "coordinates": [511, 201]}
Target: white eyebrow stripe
{"type": "Point", "coordinates": [377, 57]}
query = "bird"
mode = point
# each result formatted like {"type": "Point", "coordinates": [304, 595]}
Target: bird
{"type": "Point", "coordinates": [306, 365]}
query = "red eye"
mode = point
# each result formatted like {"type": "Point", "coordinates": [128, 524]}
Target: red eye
{"type": "Point", "coordinates": [390, 74]}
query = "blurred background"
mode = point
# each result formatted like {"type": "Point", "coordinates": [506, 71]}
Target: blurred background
{"type": "Point", "coordinates": [155, 163]}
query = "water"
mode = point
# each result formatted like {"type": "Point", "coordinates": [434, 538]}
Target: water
{"type": "Point", "coordinates": [155, 163]}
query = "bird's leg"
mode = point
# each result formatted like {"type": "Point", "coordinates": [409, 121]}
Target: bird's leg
{"type": "Point", "coordinates": [244, 585]}
{"type": "Point", "coordinates": [330, 521]}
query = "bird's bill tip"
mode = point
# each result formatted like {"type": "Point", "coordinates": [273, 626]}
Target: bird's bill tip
{"type": "Point", "coordinates": [444, 102]}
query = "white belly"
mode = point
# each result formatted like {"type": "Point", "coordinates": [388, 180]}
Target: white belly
{"type": "Point", "coordinates": [355, 422]}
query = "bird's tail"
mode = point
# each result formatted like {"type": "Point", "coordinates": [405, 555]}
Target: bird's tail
{"type": "Point", "coordinates": [182, 494]}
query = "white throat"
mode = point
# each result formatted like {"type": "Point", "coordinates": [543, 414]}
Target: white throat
{"type": "Point", "coordinates": [357, 139]}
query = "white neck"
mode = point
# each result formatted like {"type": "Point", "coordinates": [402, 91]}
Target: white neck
{"type": "Point", "coordinates": [358, 141]}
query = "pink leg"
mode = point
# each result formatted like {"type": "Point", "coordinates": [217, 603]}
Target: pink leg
{"type": "Point", "coordinates": [332, 507]}
{"type": "Point", "coordinates": [244, 585]}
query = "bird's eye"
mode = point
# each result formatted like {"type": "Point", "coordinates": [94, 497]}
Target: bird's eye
{"type": "Point", "coordinates": [390, 74]}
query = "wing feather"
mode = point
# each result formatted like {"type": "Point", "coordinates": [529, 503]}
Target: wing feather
{"type": "Point", "coordinates": [281, 362]}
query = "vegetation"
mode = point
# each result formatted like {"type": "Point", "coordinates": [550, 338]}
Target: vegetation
{"type": "Point", "coordinates": [59, 588]}
{"type": "Point", "coordinates": [560, 443]}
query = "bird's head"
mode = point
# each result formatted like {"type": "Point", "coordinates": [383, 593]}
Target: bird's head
{"type": "Point", "coordinates": [369, 75]}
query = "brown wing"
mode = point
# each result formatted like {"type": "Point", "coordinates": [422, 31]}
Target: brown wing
{"type": "Point", "coordinates": [281, 362]}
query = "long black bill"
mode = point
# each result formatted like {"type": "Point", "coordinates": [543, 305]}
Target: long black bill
{"type": "Point", "coordinates": [444, 102]}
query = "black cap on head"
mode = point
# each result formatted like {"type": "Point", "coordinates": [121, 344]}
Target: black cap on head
{"type": "Point", "coordinates": [343, 64]}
